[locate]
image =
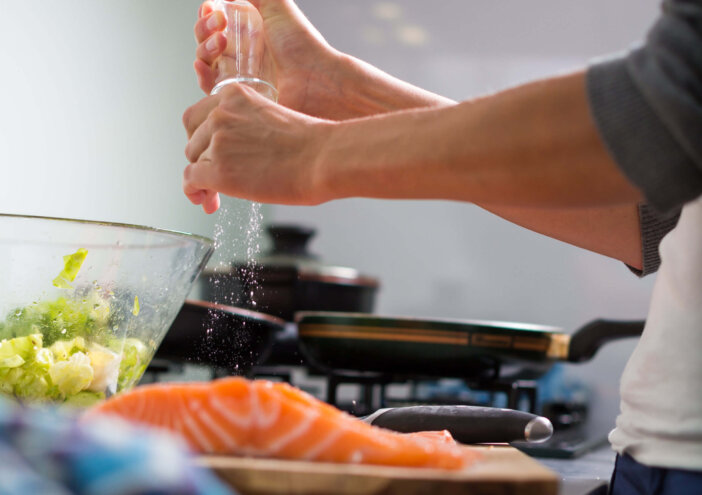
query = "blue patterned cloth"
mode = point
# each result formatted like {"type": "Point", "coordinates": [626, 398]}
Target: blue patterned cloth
{"type": "Point", "coordinates": [49, 452]}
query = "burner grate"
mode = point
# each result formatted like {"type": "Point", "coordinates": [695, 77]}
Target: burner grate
{"type": "Point", "coordinates": [517, 394]}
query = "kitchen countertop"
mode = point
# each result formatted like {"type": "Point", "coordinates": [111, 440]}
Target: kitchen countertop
{"type": "Point", "coordinates": [588, 474]}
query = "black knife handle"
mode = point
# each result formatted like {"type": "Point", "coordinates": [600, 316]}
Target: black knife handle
{"type": "Point", "coordinates": [468, 424]}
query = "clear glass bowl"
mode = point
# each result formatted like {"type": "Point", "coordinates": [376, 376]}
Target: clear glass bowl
{"type": "Point", "coordinates": [84, 305]}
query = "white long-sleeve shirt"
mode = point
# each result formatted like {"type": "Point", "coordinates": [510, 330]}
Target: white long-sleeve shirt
{"type": "Point", "coordinates": [660, 423]}
{"type": "Point", "coordinates": [647, 106]}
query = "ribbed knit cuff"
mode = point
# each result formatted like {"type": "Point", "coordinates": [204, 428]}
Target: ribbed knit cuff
{"type": "Point", "coordinates": [640, 144]}
{"type": "Point", "coordinates": [654, 227]}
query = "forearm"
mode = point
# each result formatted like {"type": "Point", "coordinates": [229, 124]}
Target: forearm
{"type": "Point", "coordinates": [362, 90]}
{"type": "Point", "coordinates": [612, 231]}
{"type": "Point", "coordinates": [532, 146]}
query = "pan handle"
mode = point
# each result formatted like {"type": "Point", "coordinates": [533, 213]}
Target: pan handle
{"type": "Point", "coordinates": [586, 342]}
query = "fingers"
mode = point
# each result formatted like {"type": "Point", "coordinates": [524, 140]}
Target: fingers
{"type": "Point", "coordinates": [205, 8]}
{"type": "Point", "coordinates": [199, 141]}
{"type": "Point", "coordinates": [196, 197]}
{"type": "Point", "coordinates": [211, 43]}
{"type": "Point", "coordinates": [209, 24]}
{"type": "Point", "coordinates": [212, 47]}
{"type": "Point", "coordinates": [195, 115]}
{"type": "Point", "coordinates": [206, 76]}
{"type": "Point", "coordinates": [211, 202]}
{"type": "Point", "coordinates": [199, 183]}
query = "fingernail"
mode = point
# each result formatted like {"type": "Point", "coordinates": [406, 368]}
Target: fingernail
{"type": "Point", "coordinates": [211, 44]}
{"type": "Point", "coordinates": [213, 21]}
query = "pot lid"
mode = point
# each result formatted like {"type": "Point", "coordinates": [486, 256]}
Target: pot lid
{"type": "Point", "coordinates": [290, 255]}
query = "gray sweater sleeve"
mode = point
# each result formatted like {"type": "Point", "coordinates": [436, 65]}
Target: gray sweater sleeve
{"type": "Point", "coordinates": [647, 106]}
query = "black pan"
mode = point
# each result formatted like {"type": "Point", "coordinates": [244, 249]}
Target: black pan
{"type": "Point", "coordinates": [222, 336]}
{"type": "Point", "coordinates": [338, 342]}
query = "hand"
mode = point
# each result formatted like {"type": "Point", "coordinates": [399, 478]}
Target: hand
{"type": "Point", "coordinates": [306, 66]}
{"type": "Point", "coordinates": [243, 145]}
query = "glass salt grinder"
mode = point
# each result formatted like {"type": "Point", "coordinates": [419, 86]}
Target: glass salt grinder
{"type": "Point", "coordinates": [246, 58]}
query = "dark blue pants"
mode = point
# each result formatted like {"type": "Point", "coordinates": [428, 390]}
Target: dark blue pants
{"type": "Point", "coordinates": [632, 478]}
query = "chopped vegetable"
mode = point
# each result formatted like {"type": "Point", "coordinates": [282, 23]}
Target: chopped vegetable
{"type": "Point", "coordinates": [105, 364]}
{"type": "Point", "coordinates": [72, 376]}
{"type": "Point", "coordinates": [70, 371]}
{"type": "Point", "coordinates": [24, 347]}
{"type": "Point", "coordinates": [71, 267]}
{"type": "Point", "coordinates": [61, 319]}
{"type": "Point", "coordinates": [66, 350]}
{"type": "Point", "coordinates": [135, 358]}
{"type": "Point", "coordinates": [84, 399]}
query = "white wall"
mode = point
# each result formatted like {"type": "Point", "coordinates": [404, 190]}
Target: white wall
{"type": "Point", "coordinates": [91, 96]}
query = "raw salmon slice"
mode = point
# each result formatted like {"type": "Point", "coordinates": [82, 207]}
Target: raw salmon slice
{"type": "Point", "coordinates": [265, 419]}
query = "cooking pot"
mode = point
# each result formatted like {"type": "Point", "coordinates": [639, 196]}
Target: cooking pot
{"type": "Point", "coordinates": [468, 349]}
{"type": "Point", "coordinates": [289, 278]}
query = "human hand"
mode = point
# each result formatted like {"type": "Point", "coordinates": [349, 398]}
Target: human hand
{"type": "Point", "coordinates": [306, 66]}
{"type": "Point", "coordinates": [243, 145]}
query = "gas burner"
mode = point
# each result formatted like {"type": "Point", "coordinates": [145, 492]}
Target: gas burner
{"type": "Point", "coordinates": [518, 394]}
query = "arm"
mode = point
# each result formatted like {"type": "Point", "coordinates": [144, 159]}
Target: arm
{"type": "Point", "coordinates": [614, 98]}
{"type": "Point", "coordinates": [338, 86]}
{"type": "Point", "coordinates": [612, 231]}
{"type": "Point", "coordinates": [548, 172]}
{"type": "Point", "coordinates": [531, 147]}
{"type": "Point", "coordinates": [645, 111]}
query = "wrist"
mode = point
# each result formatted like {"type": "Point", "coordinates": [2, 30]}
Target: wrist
{"type": "Point", "coordinates": [374, 157]}
{"type": "Point", "coordinates": [354, 92]}
{"type": "Point", "coordinates": [366, 90]}
{"type": "Point", "coordinates": [322, 171]}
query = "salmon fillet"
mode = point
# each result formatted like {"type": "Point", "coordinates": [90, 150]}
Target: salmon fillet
{"type": "Point", "coordinates": [265, 419]}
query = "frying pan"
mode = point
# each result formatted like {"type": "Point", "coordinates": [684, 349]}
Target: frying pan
{"type": "Point", "coordinates": [469, 349]}
{"type": "Point", "coordinates": [222, 336]}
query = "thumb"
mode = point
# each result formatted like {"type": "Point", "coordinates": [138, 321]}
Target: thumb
{"type": "Point", "coordinates": [276, 11]}
{"type": "Point", "coordinates": [276, 8]}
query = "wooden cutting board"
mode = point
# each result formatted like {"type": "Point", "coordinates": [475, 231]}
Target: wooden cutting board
{"type": "Point", "coordinates": [503, 471]}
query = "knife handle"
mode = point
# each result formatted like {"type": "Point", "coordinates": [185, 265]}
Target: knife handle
{"type": "Point", "coordinates": [467, 424]}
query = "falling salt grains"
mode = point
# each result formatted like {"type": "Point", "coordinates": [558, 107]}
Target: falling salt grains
{"type": "Point", "coordinates": [229, 248]}
{"type": "Point", "coordinates": [253, 247]}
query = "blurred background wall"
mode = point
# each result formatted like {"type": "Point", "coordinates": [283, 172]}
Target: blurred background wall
{"type": "Point", "coordinates": [92, 94]}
